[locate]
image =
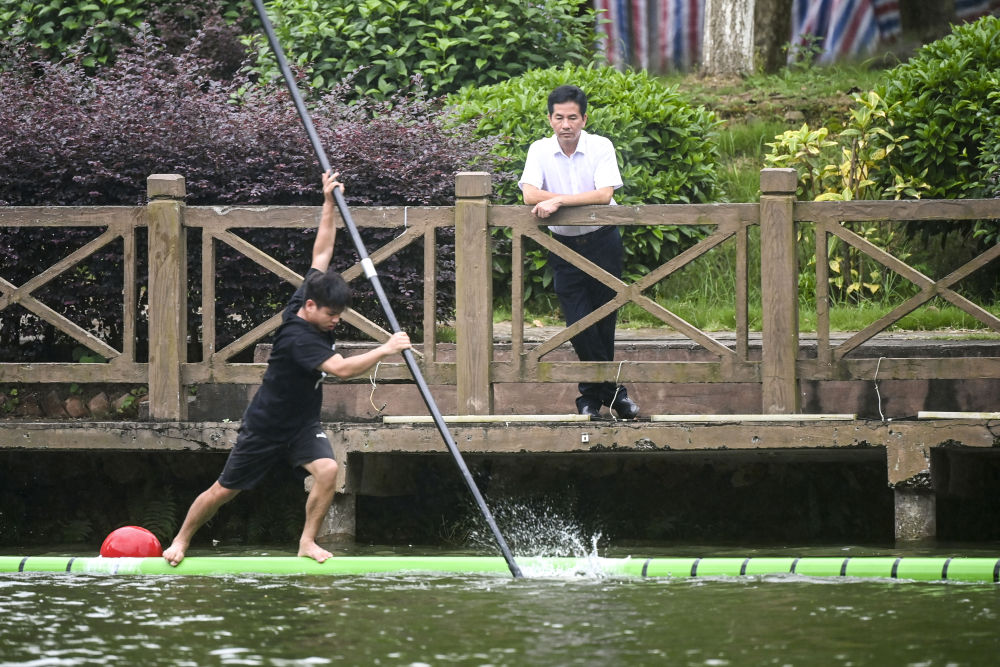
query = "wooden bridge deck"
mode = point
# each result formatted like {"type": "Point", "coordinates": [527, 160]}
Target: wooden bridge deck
{"type": "Point", "coordinates": [907, 443]}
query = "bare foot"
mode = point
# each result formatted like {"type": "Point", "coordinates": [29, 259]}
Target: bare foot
{"type": "Point", "coordinates": [174, 554]}
{"type": "Point", "coordinates": [314, 551]}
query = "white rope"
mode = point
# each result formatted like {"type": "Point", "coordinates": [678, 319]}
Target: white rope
{"type": "Point", "coordinates": [371, 397]}
{"type": "Point", "coordinates": [617, 389]}
{"type": "Point", "coordinates": [877, 393]}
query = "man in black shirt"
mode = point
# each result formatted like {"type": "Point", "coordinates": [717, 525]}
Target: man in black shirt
{"type": "Point", "coordinates": [282, 421]}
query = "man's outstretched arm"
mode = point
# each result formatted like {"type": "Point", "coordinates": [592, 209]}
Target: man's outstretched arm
{"type": "Point", "coordinates": [546, 203]}
{"type": "Point", "coordinates": [349, 367]}
{"type": "Point", "coordinates": [326, 234]}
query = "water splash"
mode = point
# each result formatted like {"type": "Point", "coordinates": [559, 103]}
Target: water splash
{"type": "Point", "coordinates": [537, 530]}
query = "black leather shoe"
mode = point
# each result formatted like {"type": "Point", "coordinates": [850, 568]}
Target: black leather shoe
{"type": "Point", "coordinates": [589, 408]}
{"type": "Point", "coordinates": [625, 408]}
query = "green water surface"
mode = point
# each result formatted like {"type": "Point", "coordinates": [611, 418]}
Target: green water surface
{"type": "Point", "coordinates": [419, 619]}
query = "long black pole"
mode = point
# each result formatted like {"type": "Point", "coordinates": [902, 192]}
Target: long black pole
{"type": "Point", "coordinates": [372, 275]}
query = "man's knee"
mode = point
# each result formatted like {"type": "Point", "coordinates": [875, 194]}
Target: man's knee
{"type": "Point", "coordinates": [221, 494]}
{"type": "Point", "coordinates": [324, 471]}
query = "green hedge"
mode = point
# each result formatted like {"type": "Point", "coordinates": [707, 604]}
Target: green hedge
{"type": "Point", "coordinates": [947, 109]}
{"type": "Point", "coordinates": [449, 43]}
{"type": "Point", "coordinates": [990, 156]}
{"type": "Point", "coordinates": [99, 29]}
{"type": "Point", "coordinates": [54, 26]}
{"type": "Point", "coordinates": [667, 150]}
{"type": "Point", "coordinates": [988, 233]}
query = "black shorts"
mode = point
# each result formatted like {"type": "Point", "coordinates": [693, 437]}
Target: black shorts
{"type": "Point", "coordinates": [253, 456]}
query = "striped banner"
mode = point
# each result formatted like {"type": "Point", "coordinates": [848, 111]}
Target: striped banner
{"type": "Point", "coordinates": [681, 23]}
{"type": "Point", "coordinates": [845, 28]}
{"type": "Point", "coordinates": [887, 19]}
{"type": "Point", "coordinates": [659, 35]}
{"type": "Point", "coordinates": [664, 35]}
{"type": "Point", "coordinates": [970, 10]}
{"type": "Point", "coordinates": [836, 28]}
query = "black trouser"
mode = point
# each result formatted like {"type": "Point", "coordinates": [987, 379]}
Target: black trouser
{"type": "Point", "coordinates": [580, 294]}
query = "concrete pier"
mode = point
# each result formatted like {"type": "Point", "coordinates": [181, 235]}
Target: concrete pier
{"type": "Point", "coordinates": [907, 448]}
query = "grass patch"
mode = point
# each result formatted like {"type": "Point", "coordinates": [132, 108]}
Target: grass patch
{"type": "Point", "coordinates": [445, 334]}
{"type": "Point", "coordinates": [739, 179]}
{"type": "Point", "coordinates": [531, 318]}
{"type": "Point", "coordinates": [952, 322]}
{"type": "Point", "coordinates": [749, 139]}
{"type": "Point", "coordinates": [711, 316]}
{"type": "Point", "coordinates": [926, 318]}
{"type": "Point", "coordinates": [821, 93]}
{"type": "Point", "coordinates": [755, 109]}
{"type": "Point", "coordinates": [705, 316]}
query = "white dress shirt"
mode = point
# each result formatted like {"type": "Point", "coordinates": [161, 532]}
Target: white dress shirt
{"type": "Point", "coordinates": [592, 166]}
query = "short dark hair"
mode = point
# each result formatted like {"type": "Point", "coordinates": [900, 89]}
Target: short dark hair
{"type": "Point", "coordinates": [328, 289]}
{"type": "Point", "coordinates": [568, 94]}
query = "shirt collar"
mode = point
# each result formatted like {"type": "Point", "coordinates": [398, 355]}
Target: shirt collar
{"type": "Point", "coordinates": [581, 146]}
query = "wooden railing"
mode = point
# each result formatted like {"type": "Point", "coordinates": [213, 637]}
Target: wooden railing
{"type": "Point", "coordinates": [118, 222]}
{"type": "Point", "coordinates": [828, 218]}
{"type": "Point", "coordinates": [727, 223]}
{"type": "Point", "coordinates": [475, 369]}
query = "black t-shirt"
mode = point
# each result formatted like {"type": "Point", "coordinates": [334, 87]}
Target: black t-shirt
{"type": "Point", "coordinates": [291, 393]}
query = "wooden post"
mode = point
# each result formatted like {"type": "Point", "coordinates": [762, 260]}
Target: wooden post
{"type": "Point", "coordinates": [167, 297]}
{"type": "Point", "coordinates": [473, 294]}
{"type": "Point", "coordinates": [779, 292]}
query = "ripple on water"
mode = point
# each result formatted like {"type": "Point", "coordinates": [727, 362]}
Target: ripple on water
{"type": "Point", "coordinates": [480, 619]}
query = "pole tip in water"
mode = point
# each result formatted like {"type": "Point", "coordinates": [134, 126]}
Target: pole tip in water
{"type": "Point", "coordinates": [131, 541]}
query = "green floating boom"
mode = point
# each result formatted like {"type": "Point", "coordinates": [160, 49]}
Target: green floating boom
{"type": "Point", "coordinates": [885, 567]}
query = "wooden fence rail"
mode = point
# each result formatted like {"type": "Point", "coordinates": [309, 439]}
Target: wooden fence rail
{"type": "Point", "coordinates": [476, 370]}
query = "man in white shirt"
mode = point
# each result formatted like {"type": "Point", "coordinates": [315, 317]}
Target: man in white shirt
{"type": "Point", "coordinates": [574, 168]}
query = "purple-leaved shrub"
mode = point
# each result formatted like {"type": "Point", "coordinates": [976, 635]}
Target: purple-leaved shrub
{"type": "Point", "coordinates": [68, 137]}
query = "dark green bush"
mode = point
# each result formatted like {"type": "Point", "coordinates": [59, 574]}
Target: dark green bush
{"type": "Point", "coordinates": [52, 27]}
{"type": "Point", "coordinates": [988, 233]}
{"type": "Point", "coordinates": [989, 157]}
{"type": "Point", "coordinates": [947, 105]}
{"type": "Point", "coordinates": [667, 149]}
{"type": "Point", "coordinates": [98, 29]}
{"type": "Point", "coordinates": [946, 109]}
{"type": "Point", "coordinates": [450, 43]}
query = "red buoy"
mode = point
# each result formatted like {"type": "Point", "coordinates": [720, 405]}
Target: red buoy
{"type": "Point", "coordinates": [131, 541]}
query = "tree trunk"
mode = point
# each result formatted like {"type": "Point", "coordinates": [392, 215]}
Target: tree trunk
{"type": "Point", "coordinates": [924, 21]}
{"type": "Point", "coordinates": [727, 44]}
{"type": "Point", "coordinates": [772, 33]}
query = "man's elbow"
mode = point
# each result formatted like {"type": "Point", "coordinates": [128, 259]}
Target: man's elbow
{"type": "Point", "coordinates": [334, 366]}
{"type": "Point", "coordinates": [529, 194]}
